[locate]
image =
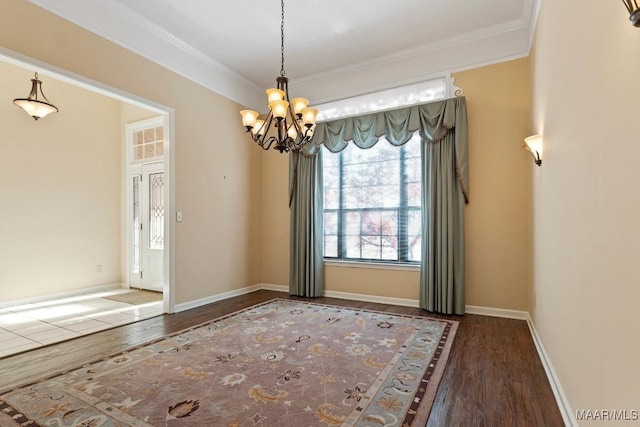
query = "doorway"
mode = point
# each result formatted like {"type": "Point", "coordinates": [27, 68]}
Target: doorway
{"type": "Point", "coordinates": [146, 204]}
{"type": "Point", "coordinates": [113, 257]}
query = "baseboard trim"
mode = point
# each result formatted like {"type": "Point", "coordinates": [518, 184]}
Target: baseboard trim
{"type": "Point", "coordinates": [61, 295]}
{"type": "Point", "coordinates": [215, 298]}
{"type": "Point", "coordinates": [276, 288]}
{"type": "Point", "coordinates": [496, 312]}
{"type": "Point", "coordinates": [405, 302]}
{"type": "Point", "coordinates": [352, 296]}
{"type": "Point", "coordinates": [373, 298]}
{"type": "Point", "coordinates": [561, 399]}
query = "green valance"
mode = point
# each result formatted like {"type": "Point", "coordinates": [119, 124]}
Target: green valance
{"type": "Point", "coordinates": [433, 120]}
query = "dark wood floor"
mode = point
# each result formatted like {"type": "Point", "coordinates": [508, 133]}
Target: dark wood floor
{"type": "Point", "coordinates": [493, 378]}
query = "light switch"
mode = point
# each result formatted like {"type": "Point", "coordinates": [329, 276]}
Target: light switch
{"type": "Point", "coordinates": [179, 216]}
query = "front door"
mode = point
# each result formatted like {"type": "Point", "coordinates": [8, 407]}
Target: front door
{"type": "Point", "coordinates": [147, 226]}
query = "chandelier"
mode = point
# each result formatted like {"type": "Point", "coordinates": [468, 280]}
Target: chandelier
{"type": "Point", "coordinates": [35, 107]}
{"type": "Point", "coordinates": [634, 11]}
{"type": "Point", "coordinates": [289, 125]}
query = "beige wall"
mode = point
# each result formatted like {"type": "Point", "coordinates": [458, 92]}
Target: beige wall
{"type": "Point", "coordinates": [60, 190]}
{"type": "Point", "coordinates": [497, 219]}
{"type": "Point", "coordinates": [217, 171]}
{"type": "Point", "coordinates": [586, 207]}
{"type": "Point", "coordinates": [275, 218]}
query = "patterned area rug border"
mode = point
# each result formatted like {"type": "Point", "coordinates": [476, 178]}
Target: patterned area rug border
{"type": "Point", "coordinates": [417, 414]}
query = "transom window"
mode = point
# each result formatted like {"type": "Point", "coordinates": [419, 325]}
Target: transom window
{"type": "Point", "coordinates": [372, 203]}
{"type": "Point", "coordinates": [147, 140]}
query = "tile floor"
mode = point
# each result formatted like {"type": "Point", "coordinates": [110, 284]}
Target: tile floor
{"type": "Point", "coordinates": [28, 326]}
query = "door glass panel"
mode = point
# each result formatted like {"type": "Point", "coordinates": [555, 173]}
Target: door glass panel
{"type": "Point", "coordinates": [156, 211]}
{"type": "Point", "coordinates": [136, 224]}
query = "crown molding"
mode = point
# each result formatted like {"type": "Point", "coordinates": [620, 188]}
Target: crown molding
{"type": "Point", "coordinates": [120, 25]}
{"type": "Point", "coordinates": [479, 48]}
{"type": "Point", "coordinates": [422, 50]}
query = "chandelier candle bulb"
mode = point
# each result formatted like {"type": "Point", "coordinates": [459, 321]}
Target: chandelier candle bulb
{"type": "Point", "coordinates": [257, 130]}
{"type": "Point", "coordinates": [274, 94]}
{"type": "Point", "coordinates": [298, 105]}
{"type": "Point", "coordinates": [249, 118]}
{"type": "Point", "coordinates": [279, 108]}
{"type": "Point", "coordinates": [309, 116]}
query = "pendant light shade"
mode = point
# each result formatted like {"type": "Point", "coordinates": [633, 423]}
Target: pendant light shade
{"type": "Point", "coordinates": [36, 104]}
{"type": "Point", "coordinates": [533, 144]}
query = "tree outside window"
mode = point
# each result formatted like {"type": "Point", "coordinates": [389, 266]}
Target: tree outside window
{"type": "Point", "coordinates": [372, 203]}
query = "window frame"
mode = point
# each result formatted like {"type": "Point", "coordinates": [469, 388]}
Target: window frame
{"type": "Point", "coordinates": [140, 126]}
{"type": "Point", "coordinates": [402, 211]}
{"type": "Point", "coordinates": [436, 88]}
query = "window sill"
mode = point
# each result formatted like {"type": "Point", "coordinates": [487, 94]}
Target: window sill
{"type": "Point", "coordinates": [372, 265]}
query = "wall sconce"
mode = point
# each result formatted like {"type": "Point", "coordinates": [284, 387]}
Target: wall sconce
{"type": "Point", "coordinates": [533, 144]}
{"type": "Point", "coordinates": [634, 11]}
{"type": "Point", "coordinates": [36, 104]}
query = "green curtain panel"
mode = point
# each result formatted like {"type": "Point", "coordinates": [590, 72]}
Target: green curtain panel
{"type": "Point", "coordinates": [306, 276]}
{"type": "Point", "coordinates": [443, 128]}
{"type": "Point", "coordinates": [442, 270]}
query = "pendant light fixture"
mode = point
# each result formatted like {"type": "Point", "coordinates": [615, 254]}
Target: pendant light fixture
{"type": "Point", "coordinates": [289, 125]}
{"type": "Point", "coordinates": [36, 104]}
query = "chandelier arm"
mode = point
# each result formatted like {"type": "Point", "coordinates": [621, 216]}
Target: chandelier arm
{"type": "Point", "coordinates": [33, 95]}
{"type": "Point", "coordinates": [281, 124]}
{"type": "Point", "coordinates": [43, 95]}
{"type": "Point", "coordinates": [295, 122]}
{"type": "Point", "coordinates": [267, 145]}
{"type": "Point", "coordinates": [259, 138]}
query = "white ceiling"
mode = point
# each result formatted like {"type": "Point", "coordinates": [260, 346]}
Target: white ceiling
{"type": "Point", "coordinates": [333, 48]}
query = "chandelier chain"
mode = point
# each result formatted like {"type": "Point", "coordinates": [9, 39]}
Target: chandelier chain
{"type": "Point", "coordinates": [282, 39]}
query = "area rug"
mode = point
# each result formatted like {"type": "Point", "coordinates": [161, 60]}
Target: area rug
{"type": "Point", "coordinates": [280, 363]}
{"type": "Point", "coordinates": [136, 297]}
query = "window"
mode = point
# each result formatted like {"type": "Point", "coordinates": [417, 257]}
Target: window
{"type": "Point", "coordinates": [372, 203]}
{"type": "Point", "coordinates": [147, 140]}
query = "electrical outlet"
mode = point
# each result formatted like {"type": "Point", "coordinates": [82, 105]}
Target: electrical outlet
{"type": "Point", "coordinates": [179, 216]}
{"type": "Point", "coordinates": [99, 268]}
